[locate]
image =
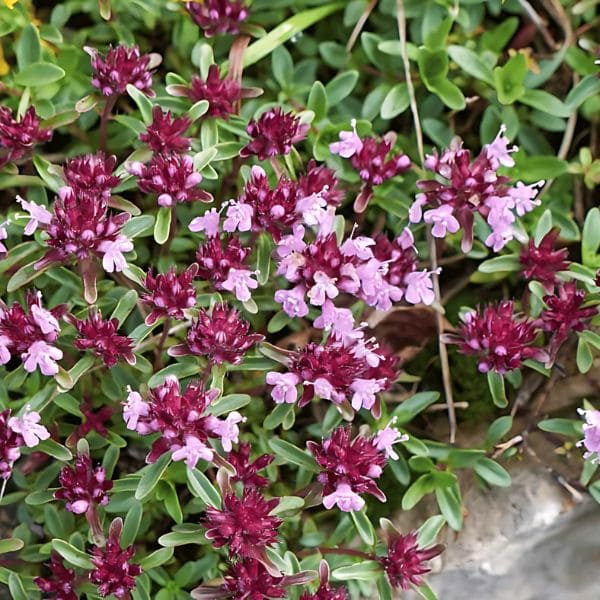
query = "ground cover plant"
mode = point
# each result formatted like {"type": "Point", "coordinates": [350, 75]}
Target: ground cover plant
{"type": "Point", "coordinates": [261, 262]}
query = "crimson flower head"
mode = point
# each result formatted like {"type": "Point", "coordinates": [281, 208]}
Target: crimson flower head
{"type": "Point", "coordinates": [81, 228]}
{"type": "Point", "coordinates": [100, 336]}
{"type": "Point", "coordinates": [405, 561]}
{"type": "Point", "coordinates": [542, 262]}
{"type": "Point", "coordinates": [274, 133]}
{"type": "Point", "coordinates": [165, 133]}
{"type": "Point", "coordinates": [90, 175]}
{"type": "Point", "coordinates": [500, 338]}
{"type": "Point", "coordinates": [61, 582]}
{"type": "Point", "coordinates": [114, 572]}
{"type": "Point", "coordinates": [218, 16]}
{"type": "Point", "coordinates": [565, 314]}
{"type": "Point", "coordinates": [170, 294]}
{"type": "Point", "coordinates": [120, 67]}
{"type": "Point", "coordinates": [220, 93]}
{"type": "Point", "coordinates": [325, 591]}
{"type": "Point", "coordinates": [373, 164]}
{"type": "Point", "coordinates": [94, 421]}
{"type": "Point", "coordinates": [172, 177]}
{"type": "Point", "coordinates": [18, 137]}
{"type": "Point", "coordinates": [31, 334]}
{"type": "Point", "coordinates": [320, 179]}
{"type": "Point", "coordinates": [243, 523]}
{"type": "Point", "coordinates": [221, 335]}
{"type": "Point", "coordinates": [350, 467]}
{"type": "Point", "coordinates": [83, 486]}
{"type": "Point", "coordinates": [246, 471]}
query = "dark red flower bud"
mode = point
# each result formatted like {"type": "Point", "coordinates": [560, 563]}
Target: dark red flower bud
{"type": "Point", "coordinates": [273, 133]}
{"type": "Point", "coordinates": [542, 262]}
{"type": "Point", "coordinates": [61, 582]}
{"type": "Point", "coordinates": [18, 137]}
{"type": "Point", "coordinates": [221, 93]}
{"type": "Point", "coordinates": [218, 16]}
{"type": "Point", "coordinates": [165, 133]}
{"type": "Point", "coordinates": [246, 471]}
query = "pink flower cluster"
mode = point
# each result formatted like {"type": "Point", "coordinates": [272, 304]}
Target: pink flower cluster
{"type": "Point", "coordinates": [350, 466]}
{"type": "Point", "coordinates": [182, 419]}
{"type": "Point", "coordinates": [348, 369]}
{"type": "Point", "coordinates": [80, 226]}
{"type": "Point", "coordinates": [16, 432]}
{"type": "Point", "coordinates": [31, 334]}
{"type": "Point", "coordinates": [377, 271]}
{"type": "Point", "coordinates": [591, 434]}
{"type": "Point", "coordinates": [464, 187]}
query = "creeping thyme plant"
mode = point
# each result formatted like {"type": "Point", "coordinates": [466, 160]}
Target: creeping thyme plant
{"type": "Point", "coordinates": [251, 253]}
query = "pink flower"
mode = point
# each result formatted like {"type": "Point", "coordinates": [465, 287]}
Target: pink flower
{"type": "Point", "coordinates": [339, 321]}
{"type": "Point", "coordinates": [443, 220]}
{"type": "Point", "coordinates": [349, 144]}
{"type": "Point", "coordinates": [113, 259]}
{"type": "Point", "coordinates": [240, 281]}
{"type": "Point", "coordinates": [386, 438]}
{"type": "Point", "coordinates": [284, 389]}
{"type": "Point", "coordinates": [591, 434]}
{"type": "Point", "coordinates": [29, 428]}
{"type": "Point", "coordinates": [239, 217]}
{"type": "Point", "coordinates": [358, 246]}
{"type": "Point", "coordinates": [344, 497]}
{"type": "Point", "coordinates": [524, 196]}
{"type": "Point", "coordinates": [134, 409]}
{"type": "Point", "coordinates": [42, 355]}
{"type": "Point", "coordinates": [228, 429]}
{"type": "Point", "coordinates": [498, 151]}
{"type": "Point", "coordinates": [323, 287]}
{"type": "Point", "coordinates": [208, 223]}
{"type": "Point", "coordinates": [364, 391]}
{"type": "Point", "coordinates": [192, 451]}
{"type": "Point", "coordinates": [37, 212]}
{"type": "Point", "coordinates": [44, 319]}
{"type": "Point", "coordinates": [3, 236]}
{"type": "Point", "coordinates": [292, 301]}
{"type": "Point", "coordinates": [419, 287]}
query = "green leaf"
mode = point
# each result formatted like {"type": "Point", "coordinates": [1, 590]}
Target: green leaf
{"type": "Point", "coordinates": [590, 240]}
{"type": "Point", "coordinates": [226, 404]}
{"type": "Point", "coordinates": [204, 157]}
{"type": "Point", "coordinates": [288, 504]}
{"type": "Point", "coordinates": [433, 67]}
{"type": "Point", "coordinates": [543, 226]}
{"type": "Point", "coordinates": [202, 488]}
{"type": "Point", "coordinates": [282, 66]}
{"type": "Point", "coordinates": [509, 79]}
{"type": "Point", "coordinates": [54, 449]}
{"type": "Point", "coordinates": [568, 427]}
{"type": "Point", "coordinates": [43, 167]}
{"type": "Point", "coordinates": [277, 416]}
{"type": "Point", "coordinates": [501, 264]}
{"type": "Point", "coordinates": [584, 357]}
{"type": "Point", "coordinates": [11, 545]}
{"type": "Point", "coordinates": [131, 525]}
{"type": "Point", "coordinates": [17, 588]}
{"type": "Point", "coordinates": [589, 86]}
{"type": "Point", "coordinates": [410, 408]}
{"type": "Point", "coordinates": [39, 74]}
{"type": "Point", "coordinates": [422, 486]}
{"type": "Point", "coordinates": [151, 476]}
{"type": "Point", "coordinates": [448, 500]}
{"type": "Point", "coordinates": [491, 472]}
{"type": "Point", "coordinates": [395, 102]}
{"type": "Point", "coordinates": [545, 102]}
{"type": "Point", "coordinates": [182, 538]}
{"type": "Point", "coordinates": [471, 63]}
{"type": "Point", "coordinates": [426, 592]}
{"type": "Point", "coordinates": [162, 227]}
{"type": "Point", "coordinates": [39, 497]}
{"type": "Point", "coordinates": [428, 532]}
{"type": "Point", "coordinates": [498, 429]}
{"type": "Point", "coordinates": [263, 259]}
{"type": "Point", "coordinates": [341, 86]}
{"type": "Point", "coordinates": [138, 226]}
{"type": "Point", "coordinates": [72, 555]}
{"type": "Point", "coordinates": [124, 306]}
{"type": "Point", "coordinates": [317, 100]}
{"type": "Point", "coordinates": [29, 46]}
{"type": "Point", "coordinates": [197, 110]}
{"type": "Point", "coordinates": [142, 101]}
{"type": "Point", "coordinates": [364, 527]}
{"type": "Point", "coordinates": [497, 390]}
{"type": "Point", "coordinates": [290, 453]}
{"type": "Point", "coordinates": [278, 321]}
{"type": "Point", "coordinates": [23, 276]}
{"type": "Point", "coordinates": [287, 30]}
{"type": "Point", "coordinates": [366, 570]}
{"type": "Point", "coordinates": [156, 558]}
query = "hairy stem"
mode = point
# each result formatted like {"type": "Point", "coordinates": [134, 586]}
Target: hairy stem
{"type": "Point", "coordinates": [104, 119]}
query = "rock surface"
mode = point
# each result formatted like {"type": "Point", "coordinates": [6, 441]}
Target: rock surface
{"type": "Point", "coordinates": [526, 542]}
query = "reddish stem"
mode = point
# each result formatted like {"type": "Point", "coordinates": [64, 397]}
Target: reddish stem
{"type": "Point", "coordinates": [104, 119]}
